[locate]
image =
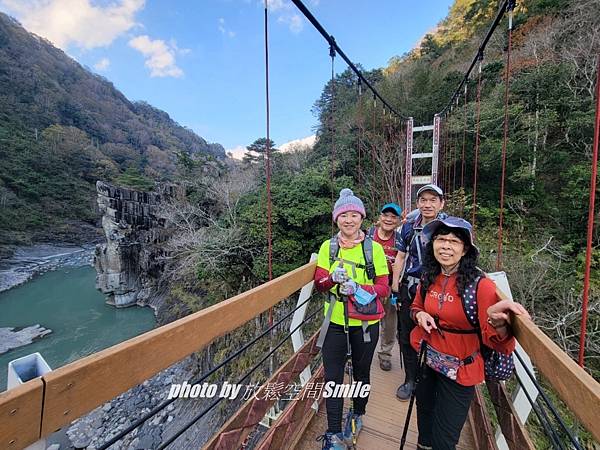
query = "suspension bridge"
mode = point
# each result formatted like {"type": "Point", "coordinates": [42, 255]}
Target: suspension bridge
{"type": "Point", "coordinates": [39, 407]}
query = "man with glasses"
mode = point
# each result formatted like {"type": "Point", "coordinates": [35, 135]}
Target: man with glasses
{"type": "Point", "coordinates": [430, 202]}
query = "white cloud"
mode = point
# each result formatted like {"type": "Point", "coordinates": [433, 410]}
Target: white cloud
{"type": "Point", "coordinates": [76, 22]}
{"type": "Point", "coordinates": [286, 14]}
{"type": "Point", "coordinates": [160, 56]}
{"type": "Point", "coordinates": [102, 65]}
{"type": "Point", "coordinates": [293, 21]}
{"type": "Point", "coordinates": [224, 30]}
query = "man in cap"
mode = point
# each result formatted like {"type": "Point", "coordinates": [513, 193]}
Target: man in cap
{"type": "Point", "coordinates": [430, 202]}
{"type": "Point", "coordinates": [384, 232]}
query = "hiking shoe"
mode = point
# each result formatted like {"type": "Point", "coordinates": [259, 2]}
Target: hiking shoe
{"type": "Point", "coordinates": [350, 436]}
{"type": "Point", "coordinates": [405, 391]}
{"type": "Point", "coordinates": [385, 364]}
{"type": "Point", "coordinates": [332, 441]}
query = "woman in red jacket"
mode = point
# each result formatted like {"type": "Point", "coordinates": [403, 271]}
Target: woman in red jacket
{"type": "Point", "coordinates": [454, 364]}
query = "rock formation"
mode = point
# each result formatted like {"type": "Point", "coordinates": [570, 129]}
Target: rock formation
{"type": "Point", "coordinates": [128, 265]}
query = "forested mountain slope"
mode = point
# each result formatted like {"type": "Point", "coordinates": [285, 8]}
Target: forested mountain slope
{"type": "Point", "coordinates": [62, 128]}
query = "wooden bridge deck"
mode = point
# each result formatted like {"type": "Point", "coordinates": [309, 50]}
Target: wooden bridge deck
{"type": "Point", "coordinates": [384, 420]}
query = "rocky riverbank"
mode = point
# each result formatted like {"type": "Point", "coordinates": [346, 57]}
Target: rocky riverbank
{"type": "Point", "coordinates": [27, 262]}
{"type": "Point", "coordinates": [13, 337]}
{"type": "Point", "coordinates": [107, 421]}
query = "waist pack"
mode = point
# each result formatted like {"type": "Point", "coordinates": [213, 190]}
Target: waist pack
{"type": "Point", "coordinates": [373, 310]}
{"type": "Point", "coordinates": [497, 366]}
{"type": "Point", "coordinates": [444, 363]}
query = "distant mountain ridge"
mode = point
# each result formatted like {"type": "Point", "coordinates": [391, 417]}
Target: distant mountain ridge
{"type": "Point", "coordinates": [43, 86]}
{"type": "Point", "coordinates": [62, 128]}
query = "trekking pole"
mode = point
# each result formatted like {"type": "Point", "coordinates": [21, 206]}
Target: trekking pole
{"type": "Point", "coordinates": [350, 368]}
{"type": "Point", "coordinates": [421, 361]}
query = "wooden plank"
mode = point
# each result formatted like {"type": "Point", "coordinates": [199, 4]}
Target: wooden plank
{"type": "Point", "coordinates": [21, 415]}
{"type": "Point", "coordinates": [245, 419]}
{"type": "Point", "coordinates": [79, 387]}
{"type": "Point", "coordinates": [480, 424]}
{"type": "Point", "coordinates": [513, 430]}
{"type": "Point", "coordinates": [579, 391]}
{"type": "Point", "coordinates": [289, 426]}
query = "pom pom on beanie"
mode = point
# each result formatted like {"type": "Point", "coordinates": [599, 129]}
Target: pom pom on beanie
{"type": "Point", "coordinates": [348, 202]}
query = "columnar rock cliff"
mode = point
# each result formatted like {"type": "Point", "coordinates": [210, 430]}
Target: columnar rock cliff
{"type": "Point", "coordinates": [129, 265]}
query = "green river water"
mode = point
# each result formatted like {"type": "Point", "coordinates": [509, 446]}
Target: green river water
{"type": "Point", "coordinates": [66, 301]}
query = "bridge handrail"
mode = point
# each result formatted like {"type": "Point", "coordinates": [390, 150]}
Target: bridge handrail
{"type": "Point", "coordinates": [43, 405]}
{"type": "Point", "coordinates": [71, 391]}
{"type": "Point", "coordinates": [577, 388]}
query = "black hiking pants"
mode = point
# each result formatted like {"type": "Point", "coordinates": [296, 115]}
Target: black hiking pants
{"type": "Point", "coordinates": [405, 326]}
{"type": "Point", "coordinates": [442, 408]}
{"type": "Point", "coordinates": [334, 360]}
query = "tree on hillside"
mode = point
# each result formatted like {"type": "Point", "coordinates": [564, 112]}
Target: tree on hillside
{"type": "Point", "coordinates": [257, 150]}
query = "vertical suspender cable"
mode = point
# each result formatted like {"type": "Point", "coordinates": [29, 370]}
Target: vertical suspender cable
{"type": "Point", "coordinates": [332, 122]}
{"type": "Point", "coordinates": [590, 229]}
{"type": "Point", "coordinates": [510, 7]}
{"type": "Point", "coordinates": [268, 159]}
{"type": "Point", "coordinates": [464, 143]}
{"type": "Point", "coordinates": [455, 154]}
{"type": "Point", "coordinates": [360, 132]}
{"type": "Point", "coordinates": [477, 118]}
{"type": "Point", "coordinates": [373, 159]}
{"type": "Point", "coordinates": [268, 174]}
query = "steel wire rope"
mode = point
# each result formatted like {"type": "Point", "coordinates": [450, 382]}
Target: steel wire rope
{"type": "Point", "coordinates": [549, 403]}
{"type": "Point", "coordinates": [510, 8]}
{"type": "Point", "coordinates": [464, 142]}
{"type": "Point", "coordinates": [480, 51]}
{"type": "Point", "coordinates": [268, 170]}
{"type": "Point", "coordinates": [360, 132]}
{"type": "Point", "coordinates": [332, 128]}
{"type": "Point", "coordinates": [223, 363]}
{"type": "Point", "coordinates": [455, 161]}
{"type": "Point", "coordinates": [329, 38]}
{"type": "Point", "coordinates": [171, 439]}
{"type": "Point", "coordinates": [477, 124]}
{"type": "Point", "coordinates": [373, 161]}
{"type": "Point", "coordinates": [542, 417]}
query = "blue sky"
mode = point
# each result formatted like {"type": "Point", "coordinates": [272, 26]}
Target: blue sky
{"type": "Point", "coordinates": [202, 61]}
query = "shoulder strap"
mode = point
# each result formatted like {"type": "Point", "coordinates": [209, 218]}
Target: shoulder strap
{"type": "Point", "coordinates": [367, 248]}
{"type": "Point", "coordinates": [371, 232]}
{"type": "Point", "coordinates": [469, 302]}
{"type": "Point", "coordinates": [397, 239]}
{"type": "Point", "coordinates": [334, 249]}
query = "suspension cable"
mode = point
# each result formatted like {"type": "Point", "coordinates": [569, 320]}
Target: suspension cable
{"type": "Point", "coordinates": [169, 441]}
{"type": "Point", "coordinates": [477, 118]}
{"type": "Point", "coordinates": [590, 229]}
{"type": "Point", "coordinates": [203, 377]}
{"type": "Point", "coordinates": [510, 7]}
{"type": "Point", "coordinates": [480, 51]}
{"type": "Point", "coordinates": [329, 38]}
{"type": "Point", "coordinates": [548, 402]}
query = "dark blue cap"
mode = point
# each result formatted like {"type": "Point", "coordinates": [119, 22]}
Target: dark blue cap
{"type": "Point", "coordinates": [392, 207]}
{"type": "Point", "coordinates": [450, 222]}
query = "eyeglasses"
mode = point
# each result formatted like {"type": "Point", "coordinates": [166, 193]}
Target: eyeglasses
{"type": "Point", "coordinates": [448, 241]}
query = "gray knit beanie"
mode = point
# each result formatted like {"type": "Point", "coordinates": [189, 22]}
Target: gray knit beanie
{"type": "Point", "coordinates": [348, 202]}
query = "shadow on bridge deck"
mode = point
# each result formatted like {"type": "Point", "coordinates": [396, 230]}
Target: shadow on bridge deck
{"type": "Point", "coordinates": [385, 416]}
